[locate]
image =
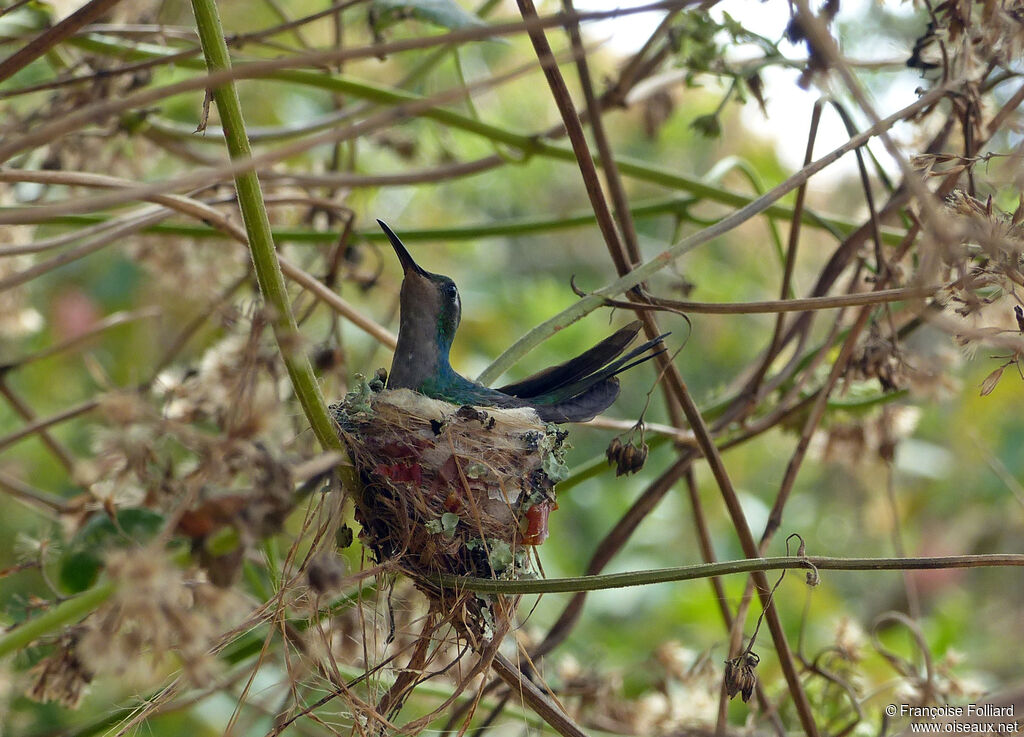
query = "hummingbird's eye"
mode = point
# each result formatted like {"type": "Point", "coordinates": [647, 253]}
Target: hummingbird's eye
{"type": "Point", "coordinates": [450, 292]}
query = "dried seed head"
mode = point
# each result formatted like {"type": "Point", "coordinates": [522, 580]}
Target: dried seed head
{"type": "Point", "coordinates": [344, 537]}
{"type": "Point", "coordinates": [17, 316]}
{"type": "Point", "coordinates": [849, 639]}
{"type": "Point", "coordinates": [739, 675]}
{"type": "Point", "coordinates": [327, 357]}
{"type": "Point", "coordinates": [613, 451]}
{"type": "Point", "coordinates": [657, 111]}
{"type": "Point", "coordinates": [992, 380]}
{"type": "Point", "coordinates": [641, 456]}
{"type": "Point", "coordinates": [325, 573]}
{"type": "Point", "coordinates": [158, 610]}
{"type": "Point", "coordinates": [62, 677]}
{"type": "Point", "coordinates": [627, 459]}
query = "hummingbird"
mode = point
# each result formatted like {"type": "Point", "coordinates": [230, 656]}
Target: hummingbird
{"type": "Point", "coordinates": [573, 391]}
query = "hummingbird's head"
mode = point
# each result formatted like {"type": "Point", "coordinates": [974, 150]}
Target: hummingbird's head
{"type": "Point", "coordinates": [430, 303]}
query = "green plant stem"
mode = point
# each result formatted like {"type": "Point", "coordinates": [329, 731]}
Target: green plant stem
{"type": "Point", "coordinates": [257, 226]}
{"type": "Point", "coordinates": [676, 206]}
{"type": "Point", "coordinates": [747, 170]}
{"type": "Point", "coordinates": [63, 614]}
{"type": "Point", "coordinates": [708, 570]}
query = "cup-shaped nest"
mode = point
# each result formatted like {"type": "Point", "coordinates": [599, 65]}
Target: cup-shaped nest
{"type": "Point", "coordinates": [450, 489]}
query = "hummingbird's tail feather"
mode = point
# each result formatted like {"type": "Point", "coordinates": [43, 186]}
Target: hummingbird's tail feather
{"type": "Point", "coordinates": [618, 367]}
{"type": "Point", "coordinates": [640, 349]}
{"type": "Point", "coordinates": [575, 369]}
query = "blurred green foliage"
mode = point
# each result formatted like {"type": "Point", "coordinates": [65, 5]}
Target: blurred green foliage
{"type": "Point", "coordinates": [948, 479]}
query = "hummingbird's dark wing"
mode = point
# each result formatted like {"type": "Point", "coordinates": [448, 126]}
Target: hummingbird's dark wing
{"type": "Point", "coordinates": [585, 370]}
{"type": "Point", "coordinates": [582, 407]}
{"type": "Point", "coordinates": [605, 374]}
{"type": "Point", "coordinates": [585, 398]}
{"type": "Point", "coordinates": [582, 387]}
{"type": "Point", "coordinates": [576, 368]}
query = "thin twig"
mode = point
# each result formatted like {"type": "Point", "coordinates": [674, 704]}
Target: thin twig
{"type": "Point", "coordinates": [187, 206]}
{"type": "Point", "coordinates": [645, 271]}
{"type": "Point", "coordinates": [23, 410]}
{"type": "Point", "coordinates": [110, 321]}
{"type": "Point", "coordinates": [882, 296]}
{"type": "Point", "coordinates": [32, 496]}
{"type": "Point", "coordinates": [252, 70]}
{"type": "Point", "coordinates": [53, 36]}
{"type": "Point", "coordinates": [55, 419]}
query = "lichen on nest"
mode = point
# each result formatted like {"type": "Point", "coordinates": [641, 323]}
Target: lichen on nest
{"type": "Point", "coordinates": [450, 489]}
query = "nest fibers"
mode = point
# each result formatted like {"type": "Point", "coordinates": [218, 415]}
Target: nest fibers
{"type": "Point", "coordinates": [450, 489]}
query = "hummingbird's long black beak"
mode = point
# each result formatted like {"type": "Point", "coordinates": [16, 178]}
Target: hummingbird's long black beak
{"type": "Point", "coordinates": [403, 253]}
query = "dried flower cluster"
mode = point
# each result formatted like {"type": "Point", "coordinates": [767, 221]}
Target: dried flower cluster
{"type": "Point", "coordinates": [683, 692]}
{"type": "Point", "coordinates": [158, 619]}
{"type": "Point", "coordinates": [874, 437]}
{"type": "Point", "coordinates": [194, 271]}
{"type": "Point", "coordinates": [62, 676]}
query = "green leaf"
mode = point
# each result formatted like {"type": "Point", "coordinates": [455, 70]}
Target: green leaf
{"type": "Point", "coordinates": [500, 555]}
{"type": "Point", "coordinates": [444, 13]}
{"type": "Point", "coordinates": [476, 470]}
{"type": "Point", "coordinates": [81, 563]}
{"type": "Point", "coordinates": [449, 522]}
{"type": "Point", "coordinates": [445, 525]}
{"type": "Point", "coordinates": [79, 571]}
{"type": "Point", "coordinates": [27, 19]}
{"type": "Point", "coordinates": [137, 525]}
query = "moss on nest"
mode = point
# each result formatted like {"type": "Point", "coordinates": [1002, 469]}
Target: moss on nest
{"type": "Point", "coordinates": [450, 489]}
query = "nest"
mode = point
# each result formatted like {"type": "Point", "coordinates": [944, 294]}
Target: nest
{"type": "Point", "coordinates": [450, 489]}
